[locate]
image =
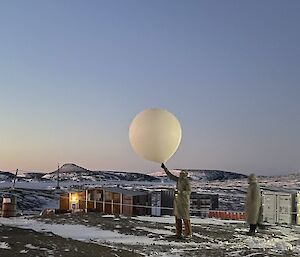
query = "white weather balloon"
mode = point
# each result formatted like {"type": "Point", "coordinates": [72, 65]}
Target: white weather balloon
{"type": "Point", "coordinates": [155, 134]}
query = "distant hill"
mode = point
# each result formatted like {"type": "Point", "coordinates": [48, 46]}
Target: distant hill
{"type": "Point", "coordinates": [6, 176]}
{"type": "Point", "coordinates": [204, 175]}
{"type": "Point", "coordinates": [74, 172]}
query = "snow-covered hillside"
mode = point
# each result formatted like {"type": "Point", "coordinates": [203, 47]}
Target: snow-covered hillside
{"type": "Point", "coordinates": [204, 175]}
{"type": "Point", "coordinates": [6, 176]}
{"type": "Point", "coordinates": [76, 173]}
{"type": "Point", "coordinates": [32, 200]}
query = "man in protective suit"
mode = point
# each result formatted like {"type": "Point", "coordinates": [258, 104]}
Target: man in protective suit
{"type": "Point", "coordinates": [181, 202]}
{"type": "Point", "coordinates": [253, 204]}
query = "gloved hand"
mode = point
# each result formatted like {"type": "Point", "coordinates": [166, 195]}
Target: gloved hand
{"type": "Point", "coordinates": [163, 166]}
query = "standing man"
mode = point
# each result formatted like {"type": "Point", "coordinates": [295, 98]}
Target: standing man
{"type": "Point", "coordinates": [181, 202]}
{"type": "Point", "coordinates": [253, 204]}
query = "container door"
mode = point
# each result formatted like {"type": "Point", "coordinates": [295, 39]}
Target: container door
{"type": "Point", "coordinates": [205, 205]}
{"type": "Point", "coordinates": [284, 209]}
{"type": "Point", "coordinates": [64, 202]}
{"type": "Point", "coordinates": [156, 203]}
{"type": "Point", "coordinates": [269, 208]}
{"type": "Point", "coordinates": [116, 203]}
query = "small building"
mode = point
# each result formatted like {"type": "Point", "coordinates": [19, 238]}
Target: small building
{"type": "Point", "coordinates": [115, 200]}
{"type": "Point", "coordinates": [112, 200]}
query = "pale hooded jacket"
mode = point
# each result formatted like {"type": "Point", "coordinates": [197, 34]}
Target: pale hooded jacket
{"type": "Point", "coordinates": [182, 195]}
{"type": "Point", "coordinates": [253, 201]}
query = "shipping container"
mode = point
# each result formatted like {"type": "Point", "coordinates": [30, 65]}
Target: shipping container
{"type": "Point", "coordinates": [284, 208]}
{"type": "Point", "coordinates": [280, 207]}
{"type": "Point", "coordinates": [269, 207]}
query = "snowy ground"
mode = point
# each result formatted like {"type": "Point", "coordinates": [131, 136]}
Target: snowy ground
{"type": "Point", "coordinates": [153, 236]}
{"type": "Point", "coordinates": [17, 242]}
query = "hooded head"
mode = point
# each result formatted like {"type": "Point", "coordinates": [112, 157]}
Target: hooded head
{"type": "Point", "coordinates": [183, 174]}
{"type": "Point", "coordinates": [252, 178]}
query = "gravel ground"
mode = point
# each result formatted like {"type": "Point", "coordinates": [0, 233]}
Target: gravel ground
{"type": "Point", "coordinates": [215, 239]}
{"type": "Point", "coordinates": [208, 239]}
{"type": "Point", "coordinates": [26, 242]}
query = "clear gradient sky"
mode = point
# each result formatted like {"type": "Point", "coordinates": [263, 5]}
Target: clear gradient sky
{"type": "Point", "coordinates": [73, 74]}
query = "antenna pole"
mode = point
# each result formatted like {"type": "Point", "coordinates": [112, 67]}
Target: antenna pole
{"type": "Point", "coordinates": [13, 186]}
{"type": "Point", "coordinates": [57, 187]}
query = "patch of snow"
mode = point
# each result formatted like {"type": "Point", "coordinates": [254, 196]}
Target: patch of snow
{"type": "Point", "coordinates": [252, 254]}
{"type": "Point", "coordinates": [194, 220]}
{"type": "Point", "coordinates": [274, 243]}
{"type": "Point", "coordinates": [108, 216]}
{"type": "Point", "coordinates": [32, 247]}
{"type": "Point", "coordinates": [4, 245]}
{"type": "Point", "coordinates": [156, 231]}
{"type": "Point", "coordinates": [90, 234]}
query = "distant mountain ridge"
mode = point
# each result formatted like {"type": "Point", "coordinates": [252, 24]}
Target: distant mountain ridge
{"type": "Point", "coordinates": [204, 175]}
{"type": "Point", "coordinates": [215, 174]}
{"type": "Point", "coordinates": [6, 176]}
{"type": "Point", "coordinates": [73, 172]}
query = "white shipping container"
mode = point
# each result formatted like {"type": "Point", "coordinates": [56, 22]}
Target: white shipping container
{"type": "Point", "coordinates": [269, 207]}
{"type": "Point", "coordinates": [278, 208]}
{"type": "Point", "coordinates": [284, 209]}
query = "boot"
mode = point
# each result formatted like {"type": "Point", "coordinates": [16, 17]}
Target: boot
{"type": "Point", "coordinates": [187, 228]}
{"type": "Point", "coordinates": [252, 230]}
{"type": "Point", "coordinates": [178, 228]}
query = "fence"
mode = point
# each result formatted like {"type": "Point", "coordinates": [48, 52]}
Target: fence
{"type": "Point", "coordinates": [226, 215]}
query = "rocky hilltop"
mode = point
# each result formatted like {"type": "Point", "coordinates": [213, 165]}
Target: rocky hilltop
{"type": "Point", "coordinates": [74, 172]}
{"type": "Point", "coordinates": [203, 175]}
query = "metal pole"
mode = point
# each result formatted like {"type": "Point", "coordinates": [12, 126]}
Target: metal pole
{"type": "Point", "coordinates": [121, 204]}
{"type": "Point", "coordinates": [86, 200]}
{"type": "Point", "coordinates": [103, 206]}
{"type": "Point", "coordinates": [13, 186]}
{"type": "Point", "coordinates": [57, 187]}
